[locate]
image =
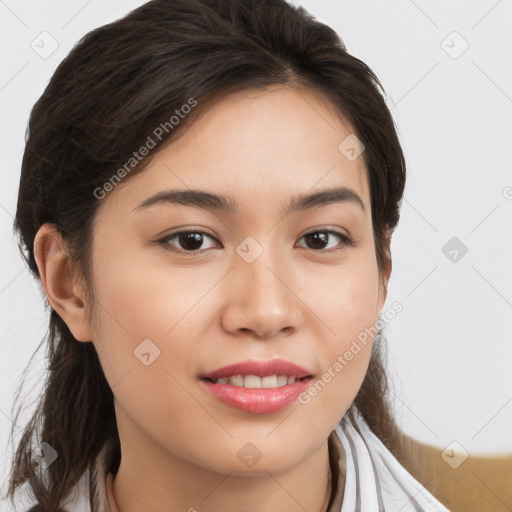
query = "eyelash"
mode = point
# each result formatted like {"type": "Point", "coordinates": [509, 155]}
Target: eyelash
{"type": "Point", "coordinates": [164, 242]}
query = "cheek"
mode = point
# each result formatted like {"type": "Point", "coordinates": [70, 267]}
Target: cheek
{"type": "Point", "coordinates": [346, 303]}
{"type": "Point", "coordinates": [344, 362]}
{"type": "Point", "coordinates": [142, 333]}
{"type": "Point", "coordinates": [140, 299]}
{"type": "Point", "coordinates": [344, 297]}
{"type": "Point", "coordinates": [333, 390]}
{"type": "Point", "coordinates": [147, 319]}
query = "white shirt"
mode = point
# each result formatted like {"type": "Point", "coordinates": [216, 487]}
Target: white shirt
{"type": "Point", "coordinates": [374, 480]}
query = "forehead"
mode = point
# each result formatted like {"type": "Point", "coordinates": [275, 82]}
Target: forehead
{"type": "Point", "coordinates": [259, 144]}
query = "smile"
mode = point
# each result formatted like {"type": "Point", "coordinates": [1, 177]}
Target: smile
{"type": "Point", "coordinates": [253, 381]}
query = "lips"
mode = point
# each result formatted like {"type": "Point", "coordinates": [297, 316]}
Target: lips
{"type": "Point", "coordinates": [257, 386]}
{"type": "Point", "coordinates": [260, 369]}
{"type": "Point", "coordinates": [257, 401]}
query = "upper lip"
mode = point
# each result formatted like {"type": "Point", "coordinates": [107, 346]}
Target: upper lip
{"type": "Point", "coordinates": [260, 369]}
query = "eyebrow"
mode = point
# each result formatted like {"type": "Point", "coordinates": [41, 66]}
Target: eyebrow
{"type": "Point", "coordinates": [228, 205]}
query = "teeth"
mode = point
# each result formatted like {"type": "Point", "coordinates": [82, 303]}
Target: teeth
{"type": "Point", "coordinates": [269, 382]}
{"type": "Point", "coordinates": [236, 380]}
{"type": "Point", "coordinates": [253, 381]}
{"type": "Point", "coordinates": [282, 380]}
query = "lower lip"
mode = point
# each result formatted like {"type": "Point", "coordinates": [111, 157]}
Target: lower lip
{"type": "Point", "coordinates": [257, 400]}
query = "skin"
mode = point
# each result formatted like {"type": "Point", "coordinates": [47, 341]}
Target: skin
{"type": "Point", "coordinates": [298, 301]}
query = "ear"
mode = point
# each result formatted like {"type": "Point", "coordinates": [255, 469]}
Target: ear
{"type": "Point", "coordinates": [59, 283]}
{"type": "Point", "coordinates": [386, 271]}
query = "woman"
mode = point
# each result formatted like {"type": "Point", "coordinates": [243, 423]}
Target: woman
{"type": "Point", "coordinates": [208, 194]}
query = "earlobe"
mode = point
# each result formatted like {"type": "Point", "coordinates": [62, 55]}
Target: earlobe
{"type": "Point", "coordinates": [59, 283]}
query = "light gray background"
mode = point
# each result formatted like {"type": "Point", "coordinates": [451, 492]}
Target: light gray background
{"type": "Point", "coordinates": [450, 348]}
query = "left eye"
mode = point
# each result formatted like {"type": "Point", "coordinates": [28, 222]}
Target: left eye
{"type": "Point", "coordinates": [191, 241]}
{"type": "Point", "coordinates": [322, 237]}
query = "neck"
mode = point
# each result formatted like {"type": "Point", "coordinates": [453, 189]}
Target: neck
{"type": "Point", "coordinates": [150, 478]}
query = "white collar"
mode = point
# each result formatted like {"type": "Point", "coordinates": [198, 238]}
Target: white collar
{"type": "Point", "coordinates": [374, 480]}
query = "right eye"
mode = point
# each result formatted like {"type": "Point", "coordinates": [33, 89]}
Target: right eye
{"type": "Point", "coordinates": [190, 241]}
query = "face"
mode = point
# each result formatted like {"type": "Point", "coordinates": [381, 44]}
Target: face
{"type": "Point", "coordinates": [255, 282]}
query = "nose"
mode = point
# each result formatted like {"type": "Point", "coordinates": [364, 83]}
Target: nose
{"type": "Point", "coordinates": [260, 298]}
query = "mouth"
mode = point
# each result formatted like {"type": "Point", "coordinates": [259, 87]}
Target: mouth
{"type": "Point", "coordinates": [257, 386]}
{"type": "Point", "coordinates": [257, 373]}
{"type": "Point", "coordinates": [256, 382]}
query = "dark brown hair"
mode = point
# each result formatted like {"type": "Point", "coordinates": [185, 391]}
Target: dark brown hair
{"type": "Point", "coordinates": [105, 98]}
